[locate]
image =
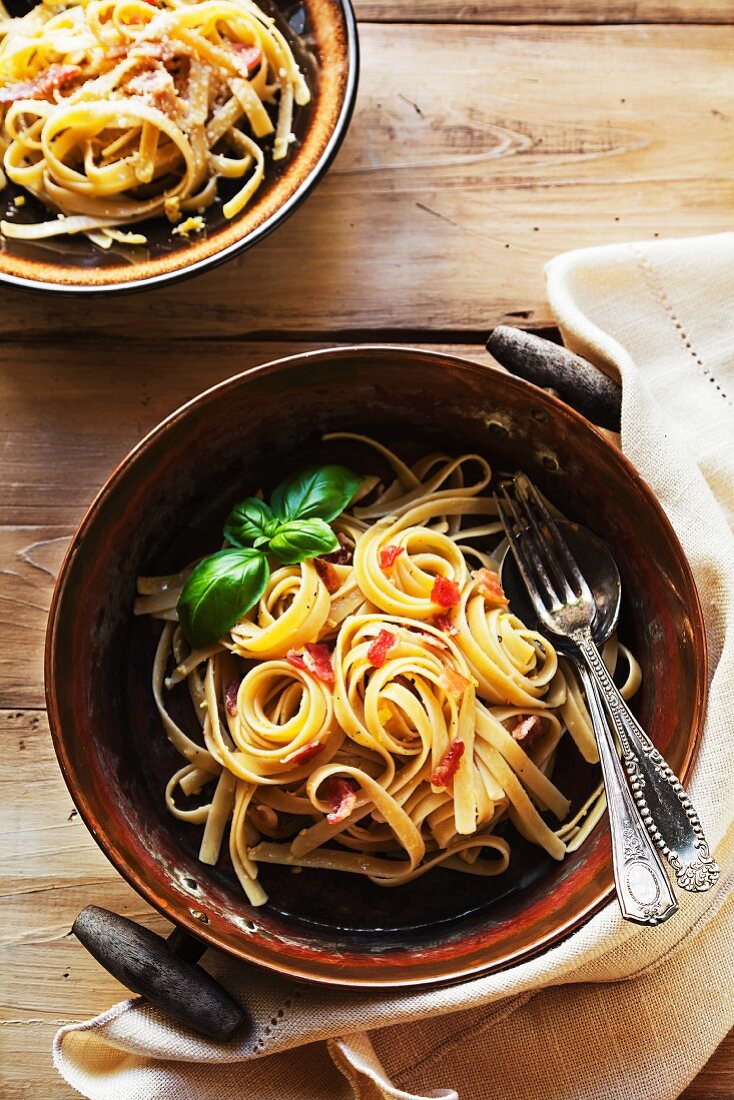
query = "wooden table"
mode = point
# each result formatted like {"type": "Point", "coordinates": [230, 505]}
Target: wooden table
{"type": "Point", "coordinates": [487, 137]}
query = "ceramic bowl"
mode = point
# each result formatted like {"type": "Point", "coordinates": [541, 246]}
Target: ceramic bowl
{"type": "Point", "coordinates": [166, 502]}
{"type": "Point", "coordinates": [323, 36]}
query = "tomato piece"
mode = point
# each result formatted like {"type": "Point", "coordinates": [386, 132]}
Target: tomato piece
{"type": "Point", "coordinates": [446, 624]}
{"type": "Point", "coordinates": [445, 592]}
{"type": "Point", "coordinates": [388, 554]}
{"type": "Point", "coordinates": [380, 648]}
{"type": "Point", "coordinates": [449, 766]}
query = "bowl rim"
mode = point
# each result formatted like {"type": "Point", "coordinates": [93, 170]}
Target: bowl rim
{"type": "Point", "coordinates": [182, 917]}
{"type": "Point", "coordinates": [260, 232]}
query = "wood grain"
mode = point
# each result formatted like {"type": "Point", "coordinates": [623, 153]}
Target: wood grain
{"type": "Point", "coordinates": [442, 209]}
{"type": "Point", "coordinates": [539, 11]}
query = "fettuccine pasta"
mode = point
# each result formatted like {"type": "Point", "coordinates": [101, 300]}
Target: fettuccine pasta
{"type": "Point", "coordinates": [380, 711]}
{"type": "Point", "coordinates": [115, 111]}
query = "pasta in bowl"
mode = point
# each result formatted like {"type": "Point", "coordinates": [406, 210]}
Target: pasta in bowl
{"type": "Point", "coordinates": [137, 132]}
{"type": "Point", "coordinates": [180, 495]}
{"type": "Point", "coordinates": [378, 710]}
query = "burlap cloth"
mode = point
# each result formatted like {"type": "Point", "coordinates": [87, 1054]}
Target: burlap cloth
{"type": "Point", "coordinates": [616, 1011]}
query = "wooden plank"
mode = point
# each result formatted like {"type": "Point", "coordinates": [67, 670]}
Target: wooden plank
{"type": "Point", "coordinates": [539, 11]}
{"type": "Point", "coordinates": [29, 561]}
{"type": "Point", "coordinates": [442, 209]}
{"type": "Point", "coordinates": [43, 838]}
{"type": "Point", "coordinates": [67, 423]}
{"type": "Point", "coordinates": [51, 869]}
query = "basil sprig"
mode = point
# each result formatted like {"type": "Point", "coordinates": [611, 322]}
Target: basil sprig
{"type": "Point", "coordinates": [298, 539]}
{"type": "Point", "coordinates": [294, 526]}
{"type": "Point", "coordinates": [319, 492]}
{"type": "Point", "coordinates": [220, 590]}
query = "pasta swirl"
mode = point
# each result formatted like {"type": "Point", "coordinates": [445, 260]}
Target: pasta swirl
{"type": "Point", "coordinates": [115, 111]}
{"type": "Point", "coordinates": [292, 611]}
{"type": "Point", "coordinates": [384, 712]}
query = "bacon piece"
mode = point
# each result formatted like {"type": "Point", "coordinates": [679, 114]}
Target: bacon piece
{"type": "Point", "coordinates": [490, 587]}
{"type": "Point", "coordinates": [328, 574]}
{"type": "Point", "coordinates": [230, 697]}
{"type": "Point", "coordinates": [446, 624]}
{"type": "Point", "coordinates": [304, 754]}
{"type": "Point", "coordinates": [449, 766]}
{"type": "Point", "coordinates": [527, 730]}
{"type": "Point", "coordinates": [248, 57]}
{"type": "Point", "coordinates": [453, 682]}
{"type": "Point", "coordinates": [41, 86]}
{"type": "Point", "coordinates": [342, 795]}
{"type": "Point", "coordinates": [315, 659]}
{"type": "Point", "coordinates": [445, 592]}
{"type": "Point", "coordinates": [155, 85]}
{"type": "Point", "coordinates": [318, 662]}
{"type": "Point", "coordinates": [431, 639]}
{"type": "Point", "coordinates": [388, 554]}
{"type": "Point", "coordinates": [380, 648]}
{"type": "Point", "coordinates": [342, 556]}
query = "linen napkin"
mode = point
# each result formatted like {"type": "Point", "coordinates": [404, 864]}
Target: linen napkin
{"type": "Point", "coordinates": [615, 1011]}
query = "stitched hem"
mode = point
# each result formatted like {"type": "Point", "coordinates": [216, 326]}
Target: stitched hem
{"type": "Point", "coordinates": [259, 1047]}
{"type": "Point", "coordinates": [650, 276]}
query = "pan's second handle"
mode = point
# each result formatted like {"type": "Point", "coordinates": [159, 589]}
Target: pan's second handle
{"type": "Point", "coordinates": [576, 381]}
{"type": "Point", "coordinates": [146, 964]}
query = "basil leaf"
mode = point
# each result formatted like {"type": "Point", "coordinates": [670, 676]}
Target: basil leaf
{"type": "Point", "coordinates": [219, 591]}
{"type": "Point", "coordinates": [303, 538]}
{"type": "Point", "coordinates": [320, 491]}
{"type": "Point", "coordinates": [250, 523]}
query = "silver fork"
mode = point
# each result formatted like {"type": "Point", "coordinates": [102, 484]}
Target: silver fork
{"type": "Point", "coordinates": [565, 605]}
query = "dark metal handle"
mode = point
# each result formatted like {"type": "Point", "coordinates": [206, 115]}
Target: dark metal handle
{"type": "Point", "coordinates": [576, 381]}
{"type": "Point", "coordinates": [149, 965]}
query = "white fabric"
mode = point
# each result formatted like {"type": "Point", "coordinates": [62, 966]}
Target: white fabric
{"type": "Point", "coordinates": [616, 1011]}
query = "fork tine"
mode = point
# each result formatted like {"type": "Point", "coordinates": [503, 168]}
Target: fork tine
{"type": "Point", "coordinates": [533, 561]}
{"type": "Point", "coordinates": [560, 543]}
{"type": "Point", "coordinates": [543, 545]}
{"type": "Point", "coordinates": [518, 555]}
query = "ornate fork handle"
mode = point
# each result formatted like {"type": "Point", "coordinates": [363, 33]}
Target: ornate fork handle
{"type": "Point", "coordinates": [643, 888]}
{"type": "Point", "coordinates": [664, 806]}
